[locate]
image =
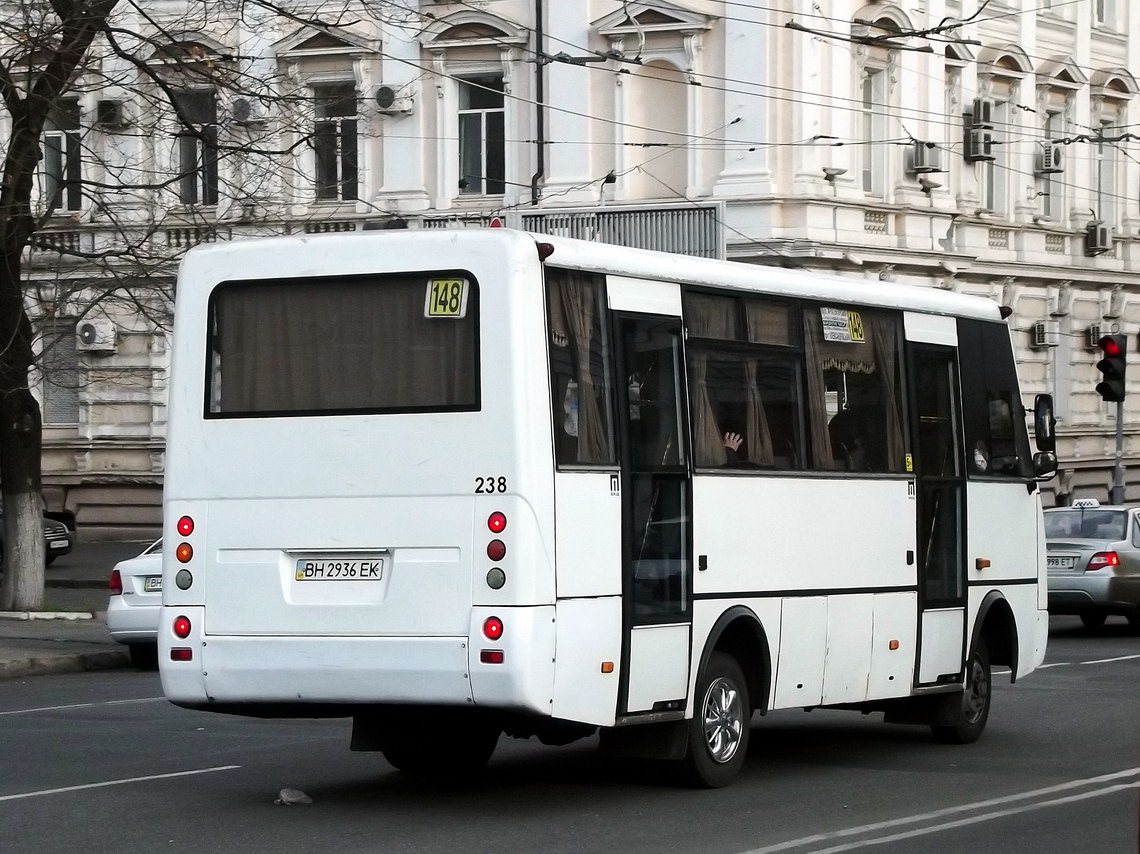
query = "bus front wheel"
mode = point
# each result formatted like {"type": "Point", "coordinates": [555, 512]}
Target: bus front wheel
{"type": "Point", "coordinates": [972, 710]}
{"type": "Point", "coordinates": [719, 729]}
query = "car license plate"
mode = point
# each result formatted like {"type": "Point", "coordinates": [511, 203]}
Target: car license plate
{"type": "Point", "coordinates": [354, 569]}
{"type": "Point", "coordinates": [1060, 562]}
{"type": "Point", "coordinates": [152, 583]}
{"type": "Point", "coordinates": [57, 544]}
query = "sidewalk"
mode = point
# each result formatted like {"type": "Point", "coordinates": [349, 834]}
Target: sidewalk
{"type": "Point", "coordinates": [70, 634]}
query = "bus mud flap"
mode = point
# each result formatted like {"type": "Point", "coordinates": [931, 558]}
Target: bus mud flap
{"type": "Point", "coordinates": [665, 740]}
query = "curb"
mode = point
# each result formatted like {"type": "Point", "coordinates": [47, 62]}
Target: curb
{"type": "Point", "coordinates": [46, 615]}
{"type": "Point", "coordinates": [67, 663]}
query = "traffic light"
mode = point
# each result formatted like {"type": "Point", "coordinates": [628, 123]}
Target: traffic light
{"type": "Point", "coordinates": [1112, 367]}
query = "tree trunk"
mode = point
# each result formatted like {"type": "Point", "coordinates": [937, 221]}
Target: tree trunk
{"type": "Point", "coordinates": [20, 429]}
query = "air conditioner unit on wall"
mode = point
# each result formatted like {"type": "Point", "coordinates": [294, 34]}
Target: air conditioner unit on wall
{"type": "Point", "coordinates": [247, 111]}
{"type": "Point", "coordinates": [1092, 336]}
{"type": "Point", "coordinates": [391, 103]}
{"type": "Point", "coordinates": [1046, 333]}
{"type": "Point", "coordinates": [982, 113]}
{"type": "Point", "coordinates": [1098, 238]}
{"type": "Point", "coordinates": [925, 157]}
{"type": "Point", "coordinates": [112, 115]}
{"type": "Point", "coordinates": [95, 336]}
{"type": "Point", "coordinates": [979, 145]}
{"type": "Point", "coordinates": [1050, 159]}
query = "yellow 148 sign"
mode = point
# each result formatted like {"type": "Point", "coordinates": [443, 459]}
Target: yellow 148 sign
{"type": "Point", "coordinates": [446, 298]}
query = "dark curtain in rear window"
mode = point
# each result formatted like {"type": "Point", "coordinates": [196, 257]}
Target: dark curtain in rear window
{"type": "Point", "coordinates": [314, 346]}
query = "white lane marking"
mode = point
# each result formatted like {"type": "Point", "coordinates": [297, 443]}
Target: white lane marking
{"type": "Point", "coordinates": [116, 782]}
{"type": "Point", "coordinates": [1054, 664]}
{"type": "Point", "coordinates": [81, 706]}
{"type": "Point", "coordinates": [1110, 660]}
{"type": "Point", "coordinates": [976, 819]}
{"type": "Point", "coordinates": [942, 813]}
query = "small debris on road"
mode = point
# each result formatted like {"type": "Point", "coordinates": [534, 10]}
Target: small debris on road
{"type": "Point", "coordinates": [289, 797]}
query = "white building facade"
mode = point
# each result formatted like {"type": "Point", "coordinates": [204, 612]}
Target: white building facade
{"type": "Point", "coordinates": [986, 148]}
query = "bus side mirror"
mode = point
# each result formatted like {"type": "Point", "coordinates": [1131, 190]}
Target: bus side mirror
{"type": "Point", "coordinates": [1045, 425]}
{"type": "Point", "coordinates": [1044, 465]}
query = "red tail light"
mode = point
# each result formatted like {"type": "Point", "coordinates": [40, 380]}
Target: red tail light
{"type": "Point", "coordinates": [1102, 559]}
{"type": "Point", "coordinates": [116, 583]}
{"type": "Point", "coordinates": [496, 550]}
{"type": "Point", "coordinates": [493, 628]}
{"type": "Point", "coordinates": [497, 522]}
{"type": "Point", "coordinates": [182, 627]}
{"type": "Point", "coordinates": [185, 526]}
{"type": "Point", "coordinates": [491, 656]}
{"type": "Point", "coordinates": [181, 653]}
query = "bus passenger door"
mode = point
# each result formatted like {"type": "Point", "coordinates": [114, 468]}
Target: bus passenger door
{"type": "Point", "coordinates": [656, 513]}
{"type": "Point", "coordinates": [936, 420]}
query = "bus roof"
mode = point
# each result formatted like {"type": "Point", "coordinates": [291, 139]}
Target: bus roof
{"type": "Point", "coordinates": [296, 254]}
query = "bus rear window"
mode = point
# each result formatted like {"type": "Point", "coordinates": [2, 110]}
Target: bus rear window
{"type": "Point", "coordinates": [393, 343]}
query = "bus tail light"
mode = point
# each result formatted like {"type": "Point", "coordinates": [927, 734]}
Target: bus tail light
{"type": "Point", "coordinates": [116, 583]}
{"type": "Point", "coordinates": [491, 656]}
{"type": "Point", "coordinates": [1102, 559]}
{"type": "Point", "coordinates": [182, 627]}
{"type": "Point", "coordinates": [185, 526]}
{"type": "Point", "coordinates": [184, 552]}
{"type": "Point", "coordinates": [497, 522]}
{"type": "Point", "coordinates": [493, 628]}
{"type": "Point", "coordinates": [181, 653]}
{"type": "Point", "coordinates": [496, 550]}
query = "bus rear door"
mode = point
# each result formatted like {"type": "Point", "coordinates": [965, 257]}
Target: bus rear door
{"type": "Point", "coordinates": [656, 495]}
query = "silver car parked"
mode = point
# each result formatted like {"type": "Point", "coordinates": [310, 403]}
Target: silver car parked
{"type": "Point", "coordinates": [1093, 558]}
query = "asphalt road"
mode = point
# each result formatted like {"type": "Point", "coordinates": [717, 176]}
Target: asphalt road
{"type": "Point", "coordinates": [99, 762]}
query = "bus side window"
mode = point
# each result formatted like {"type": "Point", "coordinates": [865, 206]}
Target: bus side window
{"type": "Point", "coordinates": [854, 404]}
{"type": "Point", "coordinates": [997, 443]}
{"type": "Point", "coordinates": [579, 347]}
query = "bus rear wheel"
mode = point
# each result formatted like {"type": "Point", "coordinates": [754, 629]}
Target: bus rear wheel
{"type": "Point", "coordinates": [439, 745]}
{"type": "Point", "coordinates": [973, 709]}
{"type": "Point", "coordinates": [718, 732]}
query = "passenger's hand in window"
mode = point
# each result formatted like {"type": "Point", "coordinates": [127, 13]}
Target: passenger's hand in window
{"type": "Point", "coordinates": [732, 443]}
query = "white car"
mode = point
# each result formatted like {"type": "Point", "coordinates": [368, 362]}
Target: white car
{"type": "Point", "coordinates": [136, 602]}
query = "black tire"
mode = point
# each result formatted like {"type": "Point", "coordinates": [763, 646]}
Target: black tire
{"type": "Point", "coordinates": [719, 730]}
{"type": "Point", "coordinates": [973, 709]}
{"type": "Point", "coordinates": [144, 656]}
{"type": "Point", "coordinates": [1092, 620]}
{"type": "Point", "coordinates": [450, 749]}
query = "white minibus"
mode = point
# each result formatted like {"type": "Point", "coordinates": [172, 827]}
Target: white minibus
{"type": "Point", "coordinates": [460, 484]}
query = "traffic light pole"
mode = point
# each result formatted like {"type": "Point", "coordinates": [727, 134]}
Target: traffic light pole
{"type": "Point", "coordinates": [1118, 465]}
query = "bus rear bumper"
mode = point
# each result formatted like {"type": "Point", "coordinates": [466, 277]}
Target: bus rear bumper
{"type": "Point", "coordinates": [232, 672]}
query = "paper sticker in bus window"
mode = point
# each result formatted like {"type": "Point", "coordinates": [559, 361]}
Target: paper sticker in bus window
{"type": "Point", "coordinates": [842, 326]}
{"type": "Point", "coordinates": [446, 298]}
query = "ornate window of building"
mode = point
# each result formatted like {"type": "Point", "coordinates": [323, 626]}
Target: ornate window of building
{"type": "Point", "coordinates": [328, 79]}
{"type": "Point", "coordinates": [477, 117]}
{"type": "Point", "coordinates": [184, 132]}
{"type": "Point", "coordinates": [878, 33]}
{"type": "Point", "coordinates": [958, 56]}
{"type": "Point", "coordinates": [197, 141]}
{"type": "Point", "coordinates": [657, 109]}
{"type": "Point", "coordinates": [482, 141]}
{"type": "Point", "coordinates": [1108, 14]}
{"type": "Point", "coordinates": [61, 170]}
{"type": "Point", "coordinates": [1000, 74]}
{"type": "Point", "coordinates": [1111, 92]}
{"type": "Point", "coordinates": [1058, 81]}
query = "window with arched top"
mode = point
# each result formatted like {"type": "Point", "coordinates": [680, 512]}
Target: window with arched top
{"type": "Point", "coordinates": [1059, 79]}
{"type": "Point", "coordinates": [878, 41]}
{"type": "Point", "coordinates": [473, 56]}
{"type": "Point", "coordinates": [1001, 71]}
{"type": "Point", "coordinates": [1111, 93]}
